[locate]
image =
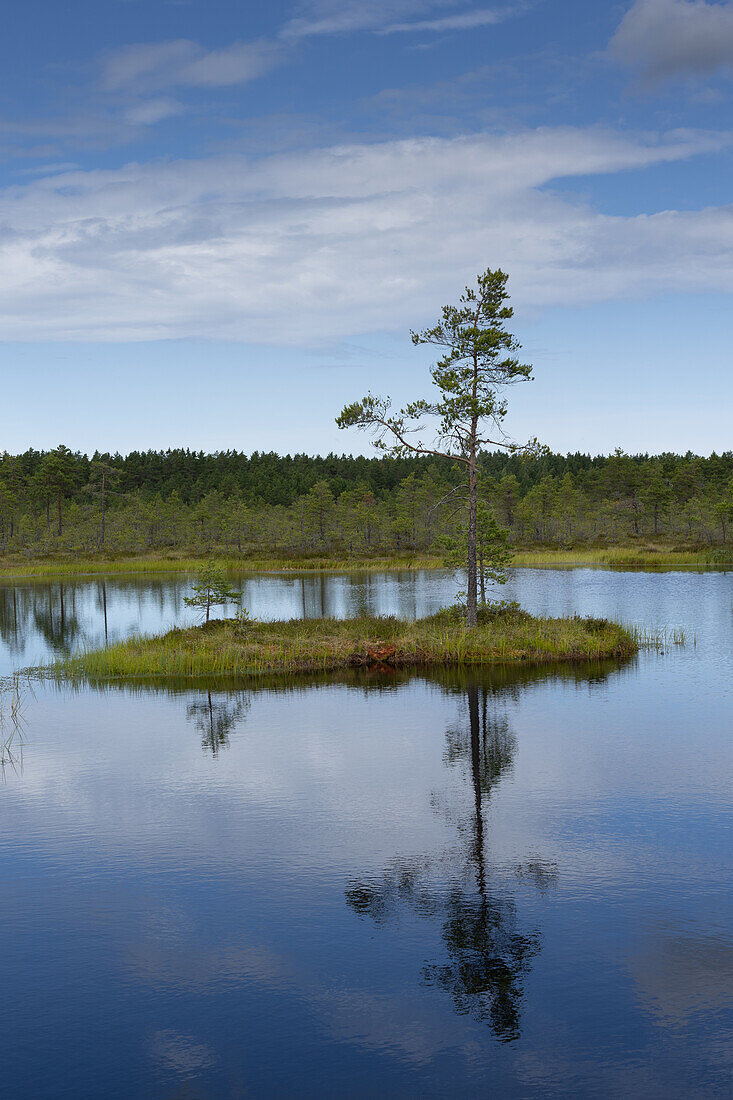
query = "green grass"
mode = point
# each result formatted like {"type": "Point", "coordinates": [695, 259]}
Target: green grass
{"type": "Point", "coordinates": [226, 648]}
{"type": "Point", "coordinates": [654, 556]}
{"type": "Point", "coordinates": [173, 563]}
{"type": "Point", "coordinates": [180, 562]}
{"type": "Point", "coordinates": [660, 637]}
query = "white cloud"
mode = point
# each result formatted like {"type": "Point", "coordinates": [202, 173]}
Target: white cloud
{"type": "Point", "coordinates": [232, 65]}
{"type": "Point", "coordinates": [150, 111]}
{"type": "Point", "coordinates": [385, 16]}
{"type": "Point", "coordinates": [48, 169]}
{"type": "Point", "coordinates": [468, 20]}
{"type": "Point", "coordinates": [334, 17]}
{"type": "Point", "coordinates": [151, 66]}
{"type": "Point", "coordinates": [133, 65]}
{"type": "Point", "coordinates": [137, 71]}
{"type": "Point", "coordinates": [667, 38]}
{"type": "Point", "coordinates": [306, 248]}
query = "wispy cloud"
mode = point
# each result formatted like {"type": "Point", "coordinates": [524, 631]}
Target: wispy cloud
{"type": "Point", "coordinates": [321, 17]}
{"type": "Point", "coordinates": [48, 169]}
{"type": "Point", "coordinates": [662, 39]}
{"type": "Point", "coordinates": [151, 111]}
{"type": "Point", "coordinates": [223, 247]}
{"type": "Point", "coordinates": [150, 67]}
{"type": "Point", "coordinates": [465, 21]}
{"type": "Point", "coordinates": [143, 84]}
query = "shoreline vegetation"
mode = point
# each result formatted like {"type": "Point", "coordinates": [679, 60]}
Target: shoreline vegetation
{"type": "Point", "coordinates": [235, 647]}
{"type": "Point", "coordinates": [653, 556]}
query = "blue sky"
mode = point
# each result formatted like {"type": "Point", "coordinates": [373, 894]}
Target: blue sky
{"type": "Point", "coordinates": [218, 221]}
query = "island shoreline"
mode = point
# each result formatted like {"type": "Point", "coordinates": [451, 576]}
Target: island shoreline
{"type": "Point", "coordinates": [231, 647]}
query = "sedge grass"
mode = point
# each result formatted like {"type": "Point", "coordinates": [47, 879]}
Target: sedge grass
{"type": "Point", "coordinates": [181, 562]}
{"type": "Point", "coordinates": [107, 566]}
{"type": "Point", "coordinates": [224, 648]}
{"type": "Point", "coordinates": [660, 637]}
{"type": "Point", "coordinates": [649, 556]}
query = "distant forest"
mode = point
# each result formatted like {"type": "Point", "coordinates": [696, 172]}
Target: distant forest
{"type": "Point", "coordinates": [61, 501]}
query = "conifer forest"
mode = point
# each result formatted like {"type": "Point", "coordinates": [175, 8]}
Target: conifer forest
{"type": "Point", "coordinates": [61, 502]}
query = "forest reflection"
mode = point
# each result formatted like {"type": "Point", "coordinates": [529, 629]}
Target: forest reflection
{"type": "Point", "coordinates": [487, 953]}
{"type": "Point", "coordinates": [61, 614]}
{"type": "Point", "coordinates": [48, 610]}
{"type": "Point", "coordinates": [52, 618]}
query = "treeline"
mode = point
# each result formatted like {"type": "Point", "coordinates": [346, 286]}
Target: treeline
{"type": "Point", "coordinates": [62, 501]}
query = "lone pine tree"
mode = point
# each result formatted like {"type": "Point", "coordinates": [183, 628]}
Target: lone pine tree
{"type": "Point", "coordinates": [478, 361]}
{"type": "Point", "coordinates": [211, 590]}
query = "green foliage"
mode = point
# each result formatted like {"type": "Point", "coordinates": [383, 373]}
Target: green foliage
{"type": "Point", "coordinates": [493, 550]}
{"type": "Point", "coordinates": [490, 612]}
{"type": "Point", "coordinates": [211, 590]}
{"type": "Point", "coordinates": [479, 360]}
{"type": "Point", "coordinates": [173, 505]}
{"type": "Point", "coordinates": [243, 622]}
{"type": "Point", "coordinates": [59, 472]}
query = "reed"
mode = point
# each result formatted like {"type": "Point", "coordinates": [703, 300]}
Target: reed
{"type": "Point", "coordinates": [643, 556]}
{"type": "Point", "coordinates": [95, 565]}
{"type": "Point", "coordinates": [74, 567]}
{"type": "Point", "coordinates": [224, 648]}
{"type": "Point", "coordinates": [660, 637]}
{"type": "Point", "coordinates": [13, 690]}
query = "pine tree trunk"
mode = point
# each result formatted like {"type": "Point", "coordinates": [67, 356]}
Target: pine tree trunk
{"type": "Point", "coordinates": [58, 505]}
{"type": "Point", "coordinates": [471, 601]}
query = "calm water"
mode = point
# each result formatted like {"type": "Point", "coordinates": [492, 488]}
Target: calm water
{"type": "Point", "coordinates": [505, 884]}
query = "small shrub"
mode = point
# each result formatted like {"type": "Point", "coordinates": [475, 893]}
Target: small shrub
{"type": "Point", "coordinates": [495, 611]}
{"type": "Point", "coordinates": [502, 610]}
{"type": "Point", "coordinates": [243, 622]}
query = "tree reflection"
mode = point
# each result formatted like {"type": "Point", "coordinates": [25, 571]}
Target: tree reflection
{"type": "Point", "coordinates": [49, 609]}
{"type": "Point", "coordinates": [487, 954]}
{"type": "Point", "coordinates": [102, 605]}
{"type": "Point", "coordinates": [56, 619]}
{"type": "Point", "coordinates": [11, 618]}
{"type": "Point", "coordinates": [216, 718]}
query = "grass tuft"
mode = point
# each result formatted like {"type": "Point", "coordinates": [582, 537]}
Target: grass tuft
{"type": "Point", "coordinates": [639, 556]}
{"type": "Point", "coordinates": [660, 637]}
{"type": "Point", "coordinates": [174, 563]}
{"type": "Point", "coordinates": [224, 648]}
{"type": "Point", "coordinates": [179, 562]}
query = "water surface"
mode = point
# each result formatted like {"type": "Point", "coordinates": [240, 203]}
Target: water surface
{"type": "Point", "coordinates": [40, 620]}
{"type": "Point", "coordinates": [509, 883]}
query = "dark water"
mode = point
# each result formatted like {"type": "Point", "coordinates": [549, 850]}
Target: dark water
{"type": "Point", "coordinates": [500, 884]}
